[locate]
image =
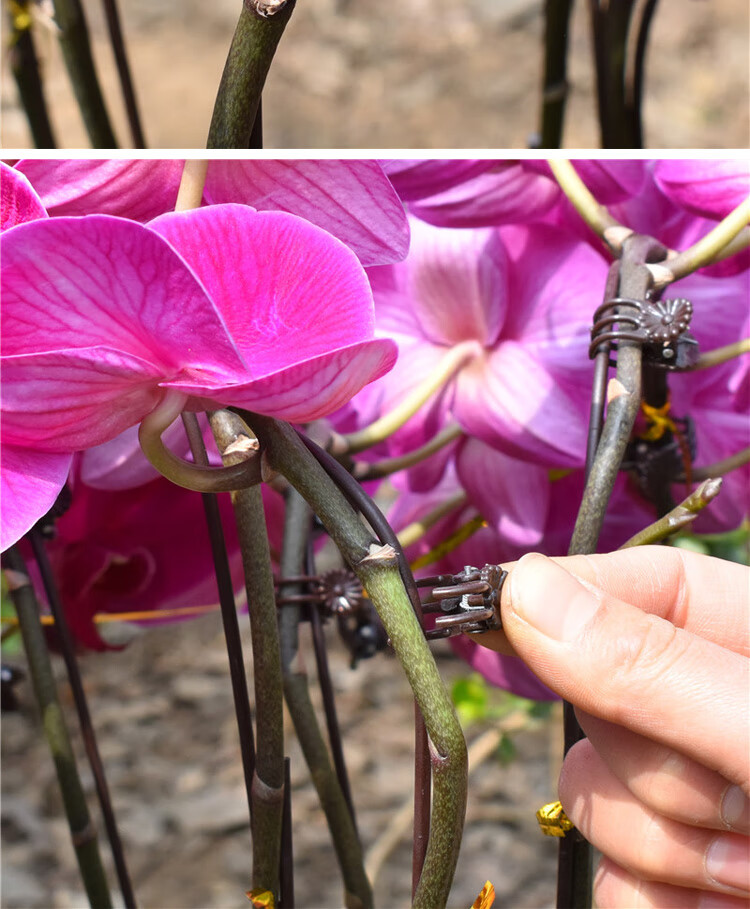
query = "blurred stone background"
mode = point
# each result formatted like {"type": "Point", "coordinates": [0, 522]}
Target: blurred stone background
{"type": "Point", "coordinates": [405, 74]}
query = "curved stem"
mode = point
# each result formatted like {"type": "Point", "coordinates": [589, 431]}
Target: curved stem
{"type": "Point", "coordinates": [595, 215]}
{"type": "Point", "coordinates": [705, 251]}
{"type": "Point", "coordinates": [364, 471]}
{"type": "Point", "coordinates": [722, 354]}
{"type": "Point", "coordinates": [259, 30]}
{"type": "Point", "coordinates": [82, 830]}
{"type": "Point", "coordinates": [378, 569]}
{"type": "Point", "coordinates": [381, 429]}
{"type": "Point", "coordinates": [190, 193]}
{"type": "Point", "coordinates": [637, 77]}
{"type": "Point", "coordinates": [268, 781]}
{"type": "Point", "coordinates": [685, 513]}
{"type": "Point", "coordinates": [417, 529]}
{"type": "Point", "coordinates": [555, 87]}
{"type": "Point", "coordinates": [76, 49]}
{"type": "Point", "coordinates": [197, 477]}
{"type": "Point", "coordinates": [616, 127]}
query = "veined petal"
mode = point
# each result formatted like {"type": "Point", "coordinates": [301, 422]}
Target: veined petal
{"type": "Point", "coordinates": [137, 189]}
{"type": "Point", "coordinates": [506, 194]}
{"type": "Point", "coordinates": [30, 481]}
{"type": "Point", "coordinates": [18, 201]}
{"type": "Point", "coordinates": [71, 283]}
{"type": "Point", "coordinates": [512, 402]}
{"type": "Point", "coordinates": [69, 400]}
{"type": "Point", "coordinates": [287, 290]}
{"type": "Point", "coordinates": [304, 390]}
{"type": "Point", "coordinates": [512, 495]}
{"type": "Point", "coordinates": [706, 187]}
{"type": "Point", "coordinates": [416, 178]}
{"type": "Point", "coordinates": [353, 200]}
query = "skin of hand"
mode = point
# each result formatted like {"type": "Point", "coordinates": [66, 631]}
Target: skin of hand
{"type": "Point", "coordinates": [652, 646]}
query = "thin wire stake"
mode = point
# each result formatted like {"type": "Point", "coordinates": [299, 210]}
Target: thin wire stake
{"type": "Point", "coordinates": [228, 613]}
{"type": "Point", "coordinates": [67, 646]}
{"type": "Point", "coordinates": [123, 71]}
{"type": "Point", "coordinates": [329, 705]}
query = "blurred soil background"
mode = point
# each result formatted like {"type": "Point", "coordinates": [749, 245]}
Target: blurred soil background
{"type": "Point", "coordinates": [163, 713]}
{"type": "Point", "coordinates": [404, 74]}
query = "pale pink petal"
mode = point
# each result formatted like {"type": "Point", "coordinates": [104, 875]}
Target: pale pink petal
{"type": "Point", "coordinates": [83, 282]}
{"type": "Point", "coordinates": [707, 187]}
{"type": "Point", "coordinates": [30, 482]}
{"type": "Point", "coordinates": [511, 401]}
{"type": "Point", "coordinates": [506, 194]}
{"type": "Point", "coordinates": [454, 284]}
{"type": "Point", "coordinates": [287, 290]}
{"type": "Point", "coordinates": [138, 189]}
{"type": "Point", "coordinates": [69, 400]}
{"type": "Point", "coordinates": [353, 200]}
{"type": "Point", "coordinates": [305, 390]}
{"type": "Point", "coordinates": [415, 178]}
{"type": "Point", "coordinates": [512, 495]}
{"type": "Point", "coordinates": [18, 201]}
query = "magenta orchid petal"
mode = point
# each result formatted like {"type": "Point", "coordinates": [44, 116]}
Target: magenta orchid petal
{"type": "Point", "coordinates": [515, 404]}
{"type": "Point", "coordinates": [512, 495]}
{"type": "Point", "coordinates": [18, 201]}
{"type": "Point", "coordinates": [353, 200]}
{"type": "Point", "coordinates": [30, 482]}
{"type": "Point", "coordinates": [72, 283]}
{"type": "Point", "coordinates": [302, 391]}
{"type": "Point", "coordinates": [706, 187]}
{"type": "Point", "coordinates": [272, 275]}
{"type": "Point", "coordinates": [416, 178]}
{"type": "Point", "coordinates": [137, 189]}
{"type": "Point", "coordinates": [610, 181]}
{"type": "Point", "coordinates": [506, 194]}
{"type": "Point", "coordinates": [69, 400]}
{"type": "Point", "coordinates": [507, 672]}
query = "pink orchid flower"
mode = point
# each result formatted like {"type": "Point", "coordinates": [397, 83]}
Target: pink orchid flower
{"type": "Point", "coordinates": [509, 192]}
{"type": "Point", "coordinates": [711, 188]}
{"type": "Point", "coordinates": [518, 302]}
{"type": "Point", "coordinates": [352, 200]}
{"type": "Point", "coordinates": [221, 305]}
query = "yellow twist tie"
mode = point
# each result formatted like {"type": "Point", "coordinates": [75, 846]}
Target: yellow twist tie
{"type": "Point", "coordinates": [20, 16]}
{"type": "Point", "coordinates": [553, 820]}
{"type": "Point", "coordinates": [260, 898]}
{"type": "Point", "coordinates": [659, 420]}
{"type": "Point", "coordinates": [486, 897]}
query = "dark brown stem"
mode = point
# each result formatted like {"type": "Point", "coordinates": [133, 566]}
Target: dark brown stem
{"type": "Point", "coordinates": [24, 65]}
{"type": "Point", "coordinates": [637, 74]}
{"type": "Point", "coordinates": [259, 30]}
{"type": "Point", "coordinates": [555, 86]}
{"type": "Point", "coordinates": [67, 646]}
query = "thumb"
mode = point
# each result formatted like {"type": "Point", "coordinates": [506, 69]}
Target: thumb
{"type": "Point", "coordinates": [635, 669]}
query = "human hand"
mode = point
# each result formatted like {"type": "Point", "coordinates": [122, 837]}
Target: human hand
{"type": "Point", "coordinates": [652, 646]}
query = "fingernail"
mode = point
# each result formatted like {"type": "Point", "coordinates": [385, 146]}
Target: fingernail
{"type": "Point", "coordinates": [735, 809]}
{"type": "Point", "coordinates": [728, 861]}
{"type": "Point", "coordinates": [549, 598]}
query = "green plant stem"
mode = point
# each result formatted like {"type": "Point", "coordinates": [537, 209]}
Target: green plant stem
{"type": "Point", "coordinates": [417, 529]}
{"type": "Point", "coordinates": [357, 890]}
{"type": "Point", "coordinates": [725, 466]}
{"type": "Point", "coordinates": [377, 568]}
{"type": "Point", "coordinates": [82, 830]}
{"type": "Point", "coordinates": [259, 30]}
{"type": "Point", "coordinates": [705, 251]}
{"type": "Point", "coordinates": [192, 182]}
{"type": "Point", "coordinates": [268, 782]}
{"type": "Point", "coordinates": [364, 471]}
{"type": "Point", "coordinates": [24, 65]}
{"type": "Point", "coordinates": [722, 354]}
{"type": "Point", "coordinates": [76, 49]}
{"type": "Point", "coordinates": [198, 477]}
{"type": "Point", "coordinates": [685, 513]}
{"type": "Point", "coordinates": [595, 215]}
{"type": "Point", "coordinates": [381, 429]}
{"type": "Point", "coordinates": [555, 87]}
